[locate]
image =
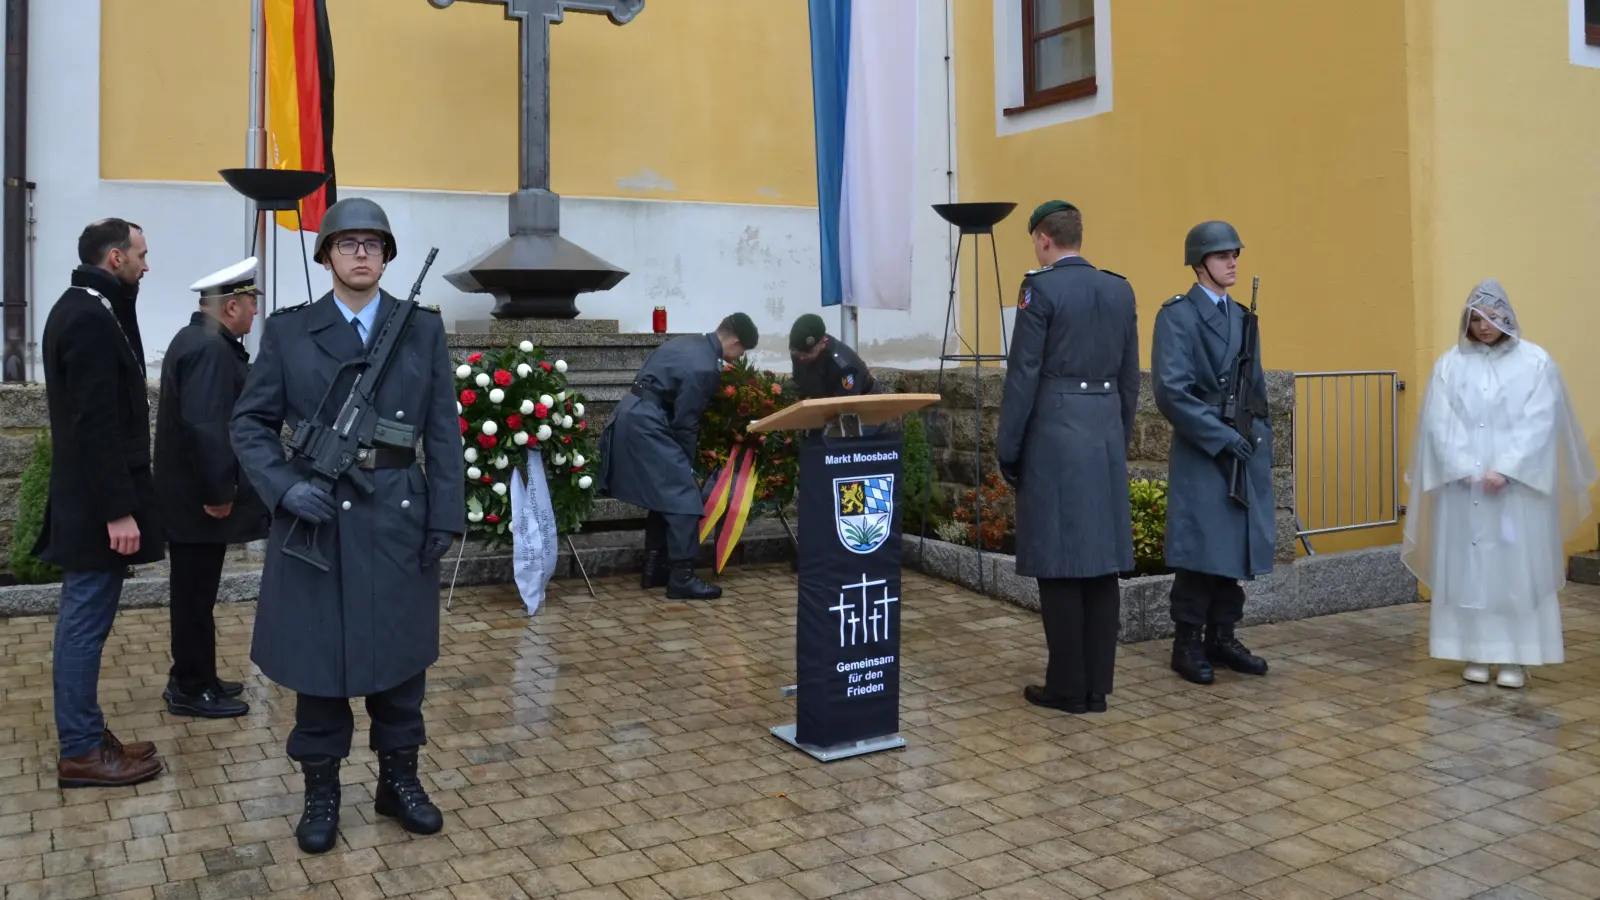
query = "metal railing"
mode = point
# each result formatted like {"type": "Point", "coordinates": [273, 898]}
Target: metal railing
{"type": "Point", "coordinates": [1346, 464]}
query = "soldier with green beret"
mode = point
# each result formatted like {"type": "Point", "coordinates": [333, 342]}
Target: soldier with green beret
{"type": "Point", "coordinates": [824, 366]}
{"type": "Point", "coordinates": [1066, 418]}
{"type": "Point", "coordinates": [647, 451]}
{"type": "Point", "coordinates": [1212, 542]}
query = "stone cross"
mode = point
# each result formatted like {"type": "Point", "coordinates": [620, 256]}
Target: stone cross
{"type": "Point", "coordinates": [535, 207]}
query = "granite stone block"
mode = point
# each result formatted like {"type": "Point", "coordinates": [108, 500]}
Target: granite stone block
{"type": "Point", "coordinates": [1358, 579]}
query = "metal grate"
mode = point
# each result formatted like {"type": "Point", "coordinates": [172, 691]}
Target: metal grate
{"type": "Point", "coordinates": [1346, 451]}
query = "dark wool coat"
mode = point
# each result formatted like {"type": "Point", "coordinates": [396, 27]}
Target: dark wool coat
{"type": "Point", "coordinates": [202, 375]}
{"type": "Point", "coordinates": [100, 427]}
{"type": "Point", "coordinates": [647, 451]}
{"type": "Point", "coordinates": [1195, 349]}
{"type": "Point", "coordinates": [1066, 418]}
{"type": "Point", "coordinates": [373, 621]}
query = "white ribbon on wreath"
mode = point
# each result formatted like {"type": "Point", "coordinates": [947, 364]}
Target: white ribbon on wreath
{"type": "Point", "coordinates": [534, 550]}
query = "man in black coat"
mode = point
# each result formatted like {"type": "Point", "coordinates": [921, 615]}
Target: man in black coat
{"type": "Point", "coordinates": [823, 366]}
{"type": "Point", "coordinates": [206, 501]}
{"type": "Point", "coordinates": [647, 451]}
{"type": "Point", "coordinates": [100, 517]}
{"type": "Point", "coordinates": [1066, 418]}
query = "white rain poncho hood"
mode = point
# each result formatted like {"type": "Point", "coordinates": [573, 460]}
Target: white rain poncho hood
{"type": "Point", "coordinates": [1495, 408]}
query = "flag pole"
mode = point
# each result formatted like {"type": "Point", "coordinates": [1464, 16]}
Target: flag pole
{"type": "Point", "coordinates": [847, 326]}
{"type": "Point", "coordinates": [255, 152]}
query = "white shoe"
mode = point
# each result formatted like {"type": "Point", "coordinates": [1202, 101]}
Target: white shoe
{"type": "Point", "coordinates": [1511, 677]}
{"type": "Point", "coordinates": [1477, 673]}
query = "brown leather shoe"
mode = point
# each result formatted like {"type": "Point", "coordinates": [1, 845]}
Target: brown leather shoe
{"type": "Point", "coordinates": [108, 765]}
{"type": "Point", "coordinates": [135, 750]}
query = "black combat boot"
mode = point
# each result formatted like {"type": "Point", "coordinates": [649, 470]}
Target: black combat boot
{"type": "Point", "coordinates": [1189, 657]}
{"type": "Point", "coordinates": [400, 794]}
{"type": "Point", "coordinates": [683, 584]}
{"type": "Point", "coordinates": [319, 825]}
{"type": "Point", "coordinates": [1223, 649]}
{"type": "Point", "coordinates": [655, 570]}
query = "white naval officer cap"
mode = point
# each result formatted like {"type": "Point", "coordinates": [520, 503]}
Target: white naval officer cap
{"type": "Point", "coordinates": [239, 278]}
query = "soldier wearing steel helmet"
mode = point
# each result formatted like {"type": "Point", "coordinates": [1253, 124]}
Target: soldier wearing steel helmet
{"type": "Point", "coordinates": [369, 626]}
{"type": "Point", "coordinates": [1212, 542]}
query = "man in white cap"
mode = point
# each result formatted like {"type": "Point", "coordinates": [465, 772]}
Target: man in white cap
{"type": "Point", "coordinates": [205, 500]}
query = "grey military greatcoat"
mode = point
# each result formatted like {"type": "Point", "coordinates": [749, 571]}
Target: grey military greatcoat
{"type": "Point", "coordinates": [1072, 385]}
{"type": "Point", "coordinates": [647, 451]}
{"type": "Point", "coordinates": [373, 620]}
{"type": "Point", "coordinates": [1195, 349]}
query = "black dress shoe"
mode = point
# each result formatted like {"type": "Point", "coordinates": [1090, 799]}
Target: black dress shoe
{"type": "Point", "coordinates": [319, 823]}
{"type": "Point", "coordinates": [1097, 703]}
{"type": "Point", "coordinates": [207, 704]}
{"type": "Point", "coordinates": [229, 688]}
{"type": "Point", "coordinates": [1224, 649]}
{"type": "Point", "coordinates": [683, 584]}
{"type": "Point", "coordinates": [1039, 696]}
{"type": "Point", "coordinates": [400, 794]}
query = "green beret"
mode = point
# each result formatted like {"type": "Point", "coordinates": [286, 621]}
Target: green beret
{"type": "Point", "coordinates": [807, 331]}
{"type": "Point", "coordinates": [743, 329]}
{"type": "Point", "coordinates": [1045, 209]}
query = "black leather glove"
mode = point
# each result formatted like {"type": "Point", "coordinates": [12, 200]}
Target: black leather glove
{"type": "Point", "coordinates": [1242, 448]}
{"type": "Point", "coordinates": [435, 546]}
{"type": "Point", "coordinates": [308, 502]}
{"type": "Point", "coordinates": [1010, 472]}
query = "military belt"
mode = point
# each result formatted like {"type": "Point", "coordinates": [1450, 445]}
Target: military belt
{"type": "Point", "coordinates": [385, 458]}
{"type": "Point", "coordinates": [646, 394]}
{"type": "Point", "coordinates": [1074, 384]}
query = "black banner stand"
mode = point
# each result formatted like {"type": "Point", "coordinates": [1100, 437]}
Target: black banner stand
{"type": "Point", "coordinates": [847, 629]}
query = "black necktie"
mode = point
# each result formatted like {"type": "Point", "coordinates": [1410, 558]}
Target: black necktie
{"type": "Point", "coordinates": [356, 324]}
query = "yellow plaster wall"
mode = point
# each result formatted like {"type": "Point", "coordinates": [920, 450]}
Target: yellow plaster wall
{"type": "Point", "coordinates": [1509, 136]}
{"type": "Point", "coordinates": [705, 100]}
{"type": "Point", "coordinates": [1287, 119]}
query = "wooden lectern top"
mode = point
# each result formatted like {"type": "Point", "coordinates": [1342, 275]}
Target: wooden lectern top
{"type": "Point", "coordinates": [872, 409]}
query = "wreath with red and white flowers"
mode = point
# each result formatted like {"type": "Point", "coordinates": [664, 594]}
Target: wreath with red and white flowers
{"type": "Point", "coordinates": [512, 401]}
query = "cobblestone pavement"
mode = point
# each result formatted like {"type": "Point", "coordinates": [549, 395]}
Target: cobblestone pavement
{"type": "Point", "coordinates": [617, 749]}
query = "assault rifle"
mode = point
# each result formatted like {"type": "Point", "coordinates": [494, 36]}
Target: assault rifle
{"type": "Point", "coordinates": [1239, 406]}
{"type": "Point", "coordinates": [356, 434]}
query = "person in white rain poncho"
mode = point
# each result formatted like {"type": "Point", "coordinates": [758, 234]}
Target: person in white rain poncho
{"type": "Point", "coordinates": [1499, 478]}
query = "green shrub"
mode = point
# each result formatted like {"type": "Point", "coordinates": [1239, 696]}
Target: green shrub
{"type": "Point", "coordinates": [916, 471]}
{"type": "Point", "coordinates": [30, 518]}
{"type": "Point", "coordinates": [1148, 500]}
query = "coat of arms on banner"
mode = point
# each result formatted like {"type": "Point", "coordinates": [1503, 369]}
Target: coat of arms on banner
{"type": "Point", "coordinates": [863, 508]}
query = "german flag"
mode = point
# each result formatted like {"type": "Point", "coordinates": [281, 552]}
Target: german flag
{"type": "Point", "coordinates": [300, 98]}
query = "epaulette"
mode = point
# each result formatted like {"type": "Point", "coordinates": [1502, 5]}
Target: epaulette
{"type": "Point", "coordinates": [1175, 299]}
{"type": "Point", "coordinates": [432, 309]}
{"type": "Point", "coordinates": [1118, 274]}
{"type": "Point", "coordinates": [1038, 270]}
{"type": "Point", "coordinates": [284, 309]}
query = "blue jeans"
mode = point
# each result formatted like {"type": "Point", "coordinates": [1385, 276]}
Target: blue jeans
{"type": "Point", "coordinates": [88, 607]}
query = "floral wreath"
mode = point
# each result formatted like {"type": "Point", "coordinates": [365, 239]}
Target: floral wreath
{"type": "Point", "coordinates": [510, 402]}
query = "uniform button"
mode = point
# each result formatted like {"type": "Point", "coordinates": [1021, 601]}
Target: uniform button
{"type": "Point", "coordinates": [345, 505]}
{"type": "Point", "coordinates": [405, 504]}
{"type": "Point", "coordinates": [1082, 385]}
{"type": "Point", "coordinates": [399, 414]}
{"type": "Point", "coordinates": [1108, 385]}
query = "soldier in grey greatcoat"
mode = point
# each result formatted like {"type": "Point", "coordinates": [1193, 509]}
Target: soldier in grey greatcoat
{"type": "Point", "coordinates": [369, 626]}
{"type": "Point", "coordinates": [1212, 542]}
{"type": "Point", "coordinates": [1072, 385]}
{"type": "Point", "coordinates": [648, 449]}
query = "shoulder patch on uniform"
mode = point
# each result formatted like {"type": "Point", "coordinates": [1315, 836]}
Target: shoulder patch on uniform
{"type": "Point", "coordinates": [1118, 274]}
{"type": "Point", "coordinates": [1027, 297]}
{"type": "Point", "coordinates": [1038, 270]}
{"type": "Point", "coordinates": [286, 309]}
{"type": "Point", "coordinates": [1175, 299]}
{"type": "Point", "coordinates": [849, 381]}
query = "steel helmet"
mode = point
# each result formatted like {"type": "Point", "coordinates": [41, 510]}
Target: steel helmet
{"type": "Point", "coordinates": [1209, 237]}
{"type": "Point", "coordinates": [354, 214]}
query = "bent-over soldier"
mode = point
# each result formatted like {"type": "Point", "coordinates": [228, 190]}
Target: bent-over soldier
{"type": "Point", "coordinates": [825, 366]}
{"type": "Point", "coordinates": [1066, 418]}
{"type": "Point", "coordinates": [369, 626]}
{"type": "Point", "coordinates": [1212, 542]}
{"type": "Point", "coordinates": [648, 449]}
